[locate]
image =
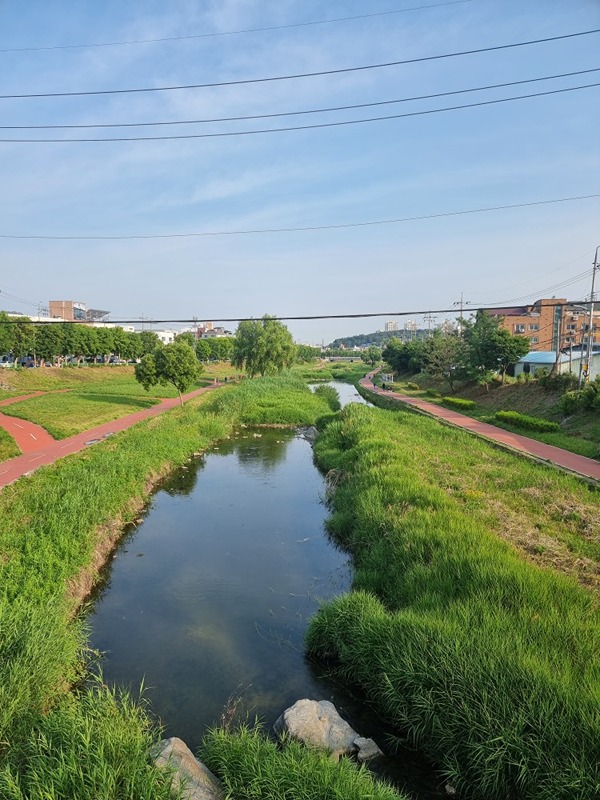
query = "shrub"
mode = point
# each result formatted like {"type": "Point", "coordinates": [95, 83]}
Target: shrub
{"type": "Point", "coordinates": [412, 385]}
{"type": "Point", "coordinates": [433, 393]}
{"type": "Point", "coordinates": [330, 395]}
{"type": "Point", "coordinates": [459, 402]}
{"type": "Point", "coordinates": [570, 403]}
{"type": "Point", "coordinates": [527, 422]}
{"type": "Point", "coordinates": [562, 382]}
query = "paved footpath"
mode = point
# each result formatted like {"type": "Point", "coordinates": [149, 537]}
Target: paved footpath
{"type": "Point", "coordinates": [522, 444]}
{"type": "Point", "coordinates": [51, 450]}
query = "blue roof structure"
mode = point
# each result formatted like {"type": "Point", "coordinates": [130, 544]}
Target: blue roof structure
{"type": "Point", "coordinates": [542, 357]}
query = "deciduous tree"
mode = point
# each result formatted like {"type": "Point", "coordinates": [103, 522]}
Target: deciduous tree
{"type": "Point", "coordinates": [263, 347]}
{"type": "Point", "coordinates": [174, 363]}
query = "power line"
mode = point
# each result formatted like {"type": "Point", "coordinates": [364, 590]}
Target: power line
{"type": "Point", "coordinates": [194, 234]}
{"type": "Point", "coordinates": [289, 128]}
{"type": "Point", "coordinates": [217, 318]}
{"type": "Point", "coordinates": [230, 33]}
{"type": "Point", "coordinates": [296, 76]}
{"type": "Point", "coordinates": [302, 112]}
{"type": "Point", "coordinates": [547, 272]}
{"type": "Point", "coordinates": [562, 285]}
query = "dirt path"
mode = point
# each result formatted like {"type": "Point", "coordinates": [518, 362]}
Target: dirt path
{"type": "Point", "coordinates": [522, 444]}
{"type": "Point", "coordinates": [51, 450]}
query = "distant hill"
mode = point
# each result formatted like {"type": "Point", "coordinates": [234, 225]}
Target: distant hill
{"type": "Point", "coordinates": [378, 338]}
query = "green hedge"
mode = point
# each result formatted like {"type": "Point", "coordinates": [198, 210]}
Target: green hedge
{"type": "Point", "coordinates": [527, 422]}
{"type": "Point", "coordinates": [458, 402]}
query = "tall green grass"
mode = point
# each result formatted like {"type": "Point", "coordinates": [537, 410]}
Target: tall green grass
{"type": "Point", "coordinates": [91, 745]}
{"type": "Point", "coordinates": [482, 660]}
{"type": "Point", "coordinates": [254, 768]}
{"type": "Point", "coordinates": [330, 395]}
{"type": "Point", "coordinates": [281, 400]}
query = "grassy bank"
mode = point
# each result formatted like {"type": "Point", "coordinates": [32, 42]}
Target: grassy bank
{"type": "Point", "coordinates": [483, 660]}
{"type": "Point", "coordinates": [58, 525]}
{"type": "Point", "coordinates": [579, 433]}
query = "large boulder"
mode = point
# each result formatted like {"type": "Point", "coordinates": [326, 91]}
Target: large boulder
{"type": "Point", "coordinates": [198, 781]}
{"type": "Point", "coordinates": [317, 723]}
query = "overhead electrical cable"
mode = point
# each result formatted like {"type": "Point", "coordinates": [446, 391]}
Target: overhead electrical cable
{"type": "Point", "coordinates": [562, 285]}
{"type": "Point", "coordinates": [217, 318]}
{"type": "Point", "coordinates": [304, 111]}
{"type": "Point", "coordinates": [290, 128]}
{"type": "Point", "coordinates": [339, 226]}
{"type": "Point", "coordinates": [231, 33]}
{"type": "Point", "coordinates": [547, 272]}
{"type": "Point", "coordinates": [296, 76]}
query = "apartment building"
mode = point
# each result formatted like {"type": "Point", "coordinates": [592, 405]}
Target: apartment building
{"type": "Point", "coordinates": [550, 324]}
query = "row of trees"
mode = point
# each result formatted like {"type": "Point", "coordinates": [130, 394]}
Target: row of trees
{"type": "Point", "coordinates": [52, 342]}
{"type": "Point", "coordinates": [478, 351]}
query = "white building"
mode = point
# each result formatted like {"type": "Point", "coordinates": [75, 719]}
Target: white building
{"type": "Point", "coordinates": [392, 325]}
{"type": "Point", "coordinates": [166, 336]}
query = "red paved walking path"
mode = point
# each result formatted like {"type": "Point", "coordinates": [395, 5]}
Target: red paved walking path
{"type": "Point", "coordinates": [523, 444]}
{"type": "Point", "coordinates": [52, 450]}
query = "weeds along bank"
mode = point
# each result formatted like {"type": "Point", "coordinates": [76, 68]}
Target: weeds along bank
{"type": "Point", "coordinates": [56, 744]}
{"type": "Point", "coordinates": [486, 662]}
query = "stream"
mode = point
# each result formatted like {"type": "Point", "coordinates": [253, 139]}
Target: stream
{"type": "Point", "coordinates": [207, 600]}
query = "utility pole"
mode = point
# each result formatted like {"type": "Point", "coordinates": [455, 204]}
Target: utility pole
{"type": "Point", "coordinates": [460, 303]}
{"type": "Point", "coordinates": [429, 318]}
{"type": "Point", "coordinates": [589, 352]}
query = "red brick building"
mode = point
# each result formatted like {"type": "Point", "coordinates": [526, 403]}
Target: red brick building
{"type": "Point", "coordinates": [549, 324]}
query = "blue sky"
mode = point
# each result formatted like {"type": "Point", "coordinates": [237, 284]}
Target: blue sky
{"type": "Point", "coordinates": [529, 150]}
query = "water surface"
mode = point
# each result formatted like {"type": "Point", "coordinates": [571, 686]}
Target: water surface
{"type": "Point", "coordinates": [207, 600]}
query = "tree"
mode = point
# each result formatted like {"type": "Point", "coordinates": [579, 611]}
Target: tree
{"type": "Point", "coordinates": [186, 337]}
{"type": "Point", "coordinates": [490, 347]}
{"type": "Point", "coordinates": [509, 349]}
{"type": "Point", "coordinates": [149, 341]}
{"type": "Point", "coordinates": [305, 353]}
{"type": "Point", "coordinates": [174, 363]}
{"type": "Point", "coordinates": [203, 351]}
{"type": "Point", "coordinates": [23, 338]}
{"type": "Point", "coordinates": [6, 334]}
{"type": "Point", "coordinates": [405, 356]}
{"type": "Point", "coordinates": [263, 347]}
{"type": "Point", "coordinates": [372, 355]}
{"type": "Point", "coordinates": [446, 357]}
{"type": "Point", "coordinates": [48, 341]}
{"type": "Point", "coordinates": [221, 347]}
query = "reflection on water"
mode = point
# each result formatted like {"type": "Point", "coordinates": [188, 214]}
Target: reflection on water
{"type": "Point", "coordinates": [210, 596]}
{"type": "Point", "coordinates": [214, 589]}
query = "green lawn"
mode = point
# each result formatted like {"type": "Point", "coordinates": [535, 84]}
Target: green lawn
{"type": "Point", "coordinates": [579, 434]}
{"type": "Point", "coordinates": [79, 398]}
{"type": "Point", "coordinates": [65, 414]}
{"type": "Point", "coordinates": [8, 448]}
